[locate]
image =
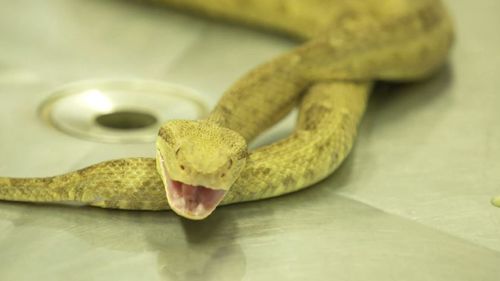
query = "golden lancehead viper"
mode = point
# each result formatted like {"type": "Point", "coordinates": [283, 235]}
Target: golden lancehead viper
{"type": "Point", "coordinates": [347, 45]}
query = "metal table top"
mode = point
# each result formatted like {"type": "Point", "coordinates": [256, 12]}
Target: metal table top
{"type": "Point", "coordinates": [412, 202]}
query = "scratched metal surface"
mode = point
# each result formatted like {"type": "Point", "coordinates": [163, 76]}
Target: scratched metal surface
{"type": "Point", "coordinates": [411, 203]}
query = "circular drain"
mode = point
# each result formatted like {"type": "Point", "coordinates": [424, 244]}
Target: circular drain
{"type": "Point", "coordinates": [124, 111]}
{"type": "Point", "coordinates": [126, 120]}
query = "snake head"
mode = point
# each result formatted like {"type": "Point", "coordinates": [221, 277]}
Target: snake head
{"type": "Point", "coordinates": [198, 162]}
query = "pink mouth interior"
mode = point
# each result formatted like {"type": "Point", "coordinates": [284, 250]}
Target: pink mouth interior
{"type": "Point", "coordinates": [197, 201]}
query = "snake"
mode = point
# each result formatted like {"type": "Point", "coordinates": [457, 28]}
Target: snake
{"type": "Point", "coordinates": [346, 46]}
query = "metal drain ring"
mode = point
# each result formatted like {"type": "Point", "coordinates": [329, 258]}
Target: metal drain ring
{"type": "Point", "coordinates": [119, 111]}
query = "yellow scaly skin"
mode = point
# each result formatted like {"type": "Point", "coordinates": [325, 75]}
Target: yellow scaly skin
{"type": "Point", "coordinates": [348, 45]}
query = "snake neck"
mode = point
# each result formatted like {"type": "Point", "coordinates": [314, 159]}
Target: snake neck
{"type": "Point", "coordinates": [261, 98]}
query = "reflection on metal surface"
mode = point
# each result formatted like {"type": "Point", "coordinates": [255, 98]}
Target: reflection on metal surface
{"type": "Point", "coordinates": [496, 201]}
{"type": "Point", "coordinates": [123, 111]}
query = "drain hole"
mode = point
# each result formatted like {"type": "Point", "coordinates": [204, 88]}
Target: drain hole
{"type": "Point", "coordinates": [126, 120]}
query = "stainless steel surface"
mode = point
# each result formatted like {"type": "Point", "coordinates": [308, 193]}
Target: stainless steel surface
{"type": "Point", "coordinates": [412, 202]}
{"type": "Point", "coordinates": [123, 111]}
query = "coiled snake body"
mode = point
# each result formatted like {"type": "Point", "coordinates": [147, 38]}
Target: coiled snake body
{"type": "Point", "coordinates": [201, 164]}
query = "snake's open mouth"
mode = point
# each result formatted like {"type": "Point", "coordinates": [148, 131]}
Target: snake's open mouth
{"type": "Point", "coordinates": [190, 201]}
{"type": "Point", "coordinates": [194, 202]}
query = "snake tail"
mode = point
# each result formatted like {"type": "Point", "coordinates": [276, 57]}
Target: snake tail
{"type": "Point", "coordinates": [135, 186]}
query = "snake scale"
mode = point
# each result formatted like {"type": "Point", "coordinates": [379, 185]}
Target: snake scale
{"type": "Point", "coordinates": [200, 164]}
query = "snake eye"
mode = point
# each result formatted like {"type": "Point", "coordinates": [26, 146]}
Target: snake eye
{"type": "Point", "coordinates": [230, 163]}
{"type": "Point", "coordinates": [177, 151]}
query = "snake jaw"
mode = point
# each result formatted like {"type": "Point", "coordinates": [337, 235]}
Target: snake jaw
{"type": "Point", "coordinates": [190, 201]}
{"type": "Point", "coordinates": [193, 202]}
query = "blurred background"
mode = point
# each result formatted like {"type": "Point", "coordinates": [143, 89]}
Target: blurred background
{"type": "Point", "coordinates": [412, 202]}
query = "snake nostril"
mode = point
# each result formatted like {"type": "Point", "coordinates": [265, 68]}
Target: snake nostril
{"type": "Point", "coordinates": [222, 175]}
{"type": "Point", "coordinates": [182, 167]}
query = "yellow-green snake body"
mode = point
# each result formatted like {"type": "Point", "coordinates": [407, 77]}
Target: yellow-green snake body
{"type": "Point", "coordinates": [347, 45]}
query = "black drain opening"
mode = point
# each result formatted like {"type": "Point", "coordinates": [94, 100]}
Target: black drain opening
{"type": "Point", "coordinates": [126, 120]}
